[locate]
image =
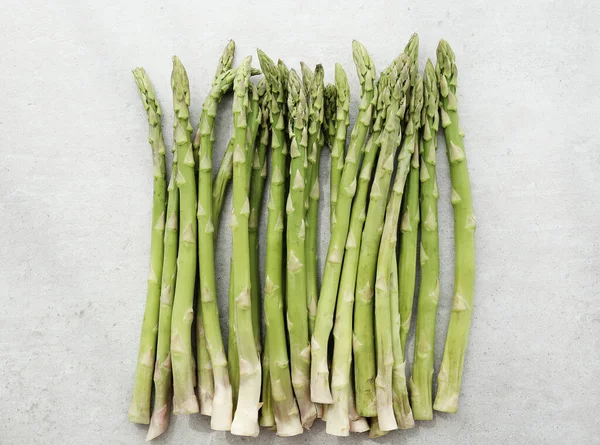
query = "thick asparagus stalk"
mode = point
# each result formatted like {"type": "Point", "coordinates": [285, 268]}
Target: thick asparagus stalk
{"type": "Point", "coordinates": [450, 375]}
{"type": "Point", "coordinates": [315, 144]}
{"type": "Point", "coordinates": [184, 398]}
{"type": "Point", "coordinates": [429, 290]}
{"type": "Point", "coordinates": [245, 420]}
{"type": "Point", "coordinates": [364, 345]}
{"type": "Point", "coordinates": [222, 400]}
{"type": "Point", "coordinates": [286, 413]}
{"type": "Point", "coordinates": [338, 149]}
{"type": "Point", "coordinates": [409, 219]}
{"type": "Point", "coordinates": [297, 311]}
{"type": "Point", "coordinates": [139, 409]}
{"type": "Point", "coordinates": [320, 391]}
{"type": "Point", "coordinates": [338, 420]}
{"type": "Point", "coordinates": [401, 413]}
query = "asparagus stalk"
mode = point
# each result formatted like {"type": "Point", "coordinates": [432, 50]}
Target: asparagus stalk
{"type": "Point", "coordinates": [307, 77]}
{"type": "Point", "coordinates": [222, 178]}
{"type": "Point", "coordinates": [297, 311]}
{"type": "Point", "coordinates": [329, 129]}
{"type": "Point", "coordinates": [205, 385]}
{"type": "Point", "coordinates": [159, 422]}
{"type": "Point", "coordinates": [286, 413]}
{"type": "Point", "coordinates": [358, 424]}
{"type": "Point", "coordinates": [320, 391]}
{"type": "Point", "coordinates": [139, 409]}
{"type": "Point", "coordinates": [429, 290]}
{"type": "Point", "coordinates": [364, 346]}
{"type": "Point", "coordinates": [315, 144]}
{"type": "Point", "coordinates": [391, 379]}
{"type": "Point", "coordinates": [222, 401]}
{"type": "Point", "coordinates": [245, 420]}
{"type": "Point", "coordinates": [184, 399]}
{"type": "Point", "coordinates": [450, 375]}
{"type": "Point", "coordinates": [257, 183]}
{"type": "Point", "coordinates": [338, 416]}
{"type": "Point", "coordinates": [342, 121]}
{"type": "Point", "coordinates": [374, 430]}
{"type": "Point", "coordinates": [410, 219]}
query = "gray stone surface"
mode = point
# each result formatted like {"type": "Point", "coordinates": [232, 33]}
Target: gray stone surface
{"type": "Point", "coordinates": [75, 197]}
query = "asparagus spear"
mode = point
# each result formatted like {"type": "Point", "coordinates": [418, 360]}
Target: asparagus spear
{"type": "Point", "coordinates": [329, 129]}
{"type": "Point", "coordinates": [342, 120]}
{"type": "Point", "coordinates": [364, 346]}
{"type": "Point", "coordinates": [205, 385]}
{"type": "Point", "coordinates": [245, 420]}
{"type": "Point", "coordinates": [257, 183]}
{"type": "Point", "coordinates": [286, 413]}
{"type": "Point", "coordinates": [315, 144]}
{"type": "Point", "coordinates": [338, 415]}
{"type": "Point", "coordinates": [221, 181]}
{"type": "Point", "coordinates": [374, 430]}
{"type": "Point", "coordinates": [184, 399]}
{"type": "Point", "coordinates": [429, 290]}
{"type": "Point", "coordinates": [358, 424]}
{"type": "Point", "coordinates": [397, 392]}
{"type": "Point", "coordinates": [410, 219]}
{"type": "Point", "coordinates": [450, 375]}
{"type": "Point", "coordinates": [297, 311]}
{"type": "Point", "coordinates": [222, 401]}
{"type": "Point", "coordinates": [320, 391]}
{"type": "Point", "coordinates": [307, 76]}
{"type": "Point", "coordinates": [139, 409]}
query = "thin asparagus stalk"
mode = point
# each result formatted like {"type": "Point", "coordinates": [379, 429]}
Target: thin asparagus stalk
{"type": "Point", "coordinates": [429, 290]}
{"type": "Point", "coordinates": [222, 178]}
{"type": "Point", "coordinates": [184, 398]}
{"type": "Point", "coordinates": [409, 219]}
{"type": "Point", "coordinates": [245, 420]}
{"type": "Point", "coordinates": [358, 424]}
{"type": "Point", "coordinates": [205, 385]}
{"type": "Point", "coordinates": [139, 409]}
{"type": "Point", "coordinates": [163, 385]}
{"type": "Point", "coordinates": [450, 375]}
{"type": "Point", "coordinates": [391, 380]}
{"type": "Point", "coordinates": [257, 183]}
{"type": "Point", "coordinates": [232, 352]}
{"type": "Point", "coordinates": [315, 144]}
{"type": "Point", "coordinates": [338, 150]}
{"type": "Point", "coordinates": [286, 413]}
{"type": "Point", "coordinates": [329, 129]}
{"type": "Point", "coordinates": [222, 400]}
{"type": "Point", "coordinates": [320, 391]}
{"type": "Point", "coordinates": [338, 422]}
{"type": "Point", "coordinates": [297, 311]}
{"type": "Point", "coordinates": [364, 345]}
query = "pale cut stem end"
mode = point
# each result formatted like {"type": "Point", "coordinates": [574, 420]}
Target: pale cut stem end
{"type": "Point", "coordinates": [135, 416]}
{"type": "Point", "coordinates": [288, 426]}
{"type": "Point", "coordinates": [338, 420]}
{"type": "Point", "coordinates": [222, 408]}
{"type": "Point", "coordinates": [359, 425]}
{"type": "Point", "coordinates": [446, 399]}
{"type": "Point", "coordinates": [245, 420]}
{"type": "Point", "coordinates": [308, 410]}
{"type": "Point", "coordinates": [385, 410]}
{"type": "Point", "coordinates": [319, 389]}
{"type": "Point", "coordinates": [158, 423]}
{"type": "Point", "coordinates": [206, 402]}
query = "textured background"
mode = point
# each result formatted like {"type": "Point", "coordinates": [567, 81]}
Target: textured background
{"type": "Point", "coordinates": [75, 198]}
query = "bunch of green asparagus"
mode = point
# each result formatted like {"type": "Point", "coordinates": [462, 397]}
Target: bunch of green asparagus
{"type": "Point", "coordinates": [334, 352]}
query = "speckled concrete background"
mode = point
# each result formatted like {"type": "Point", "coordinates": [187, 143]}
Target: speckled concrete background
{"type": "Point", "coordinates": [75, 197]}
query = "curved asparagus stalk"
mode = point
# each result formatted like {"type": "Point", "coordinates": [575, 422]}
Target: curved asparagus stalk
{"type": "Point", "coordinates": [245, 420]}
{"type": "Point", "coordinates": [315, 144]}
{"type": "Point", "coordinates": [391, 379]}
{"type": "Point", "coordinates": [286, 413]}
{"type": "Point", "coordinates": [297, 311]}
{"type": "Point", "coordinates": [364, 345]}
{"type": "Point", "coordinates": [429, 290]}
{"type": "Point", "coordinates": [184, 398]}
{"type": "Point", "coordinates": [222, 399]}
{"type": "Point", "coordinates": [320, 391]}
{"type": "Point", "coordinates": [450, 375]}
{"type": "Point", "coordinates": [139, 409]}
{"type": "Point", "coordinates": [338, 420]}
{"type": "Point", "coordinates": [410, 219]}
{"type": "Point", "coordinates": [338, 150]}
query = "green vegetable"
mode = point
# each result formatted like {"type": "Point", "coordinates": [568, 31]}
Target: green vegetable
{"type": "Point", "coordinates": [395, 79]}
{"type": "Point", "coordinates": [297, 310]}
{"type": "Point", "coordinates": [320, 391]}
{"type": "Point", "coordinates": [429, 290]}
{"type": "Point", "coordinates": [184, 398]}
{"type": "Point", "coordinates": [409, 225]}
{"type": "Point", "coordinates": [139, 409]}
{"type": "Point", "coordinates": [450, 375]}
{"type": "Point", "coordinates": [286, 413]}
{"type": "Point", "coordinates": [222, 399]}
{"type": "Point", "coordinates": [315, 144]}
{"type": "Point", "coordinates": [245, 420]}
